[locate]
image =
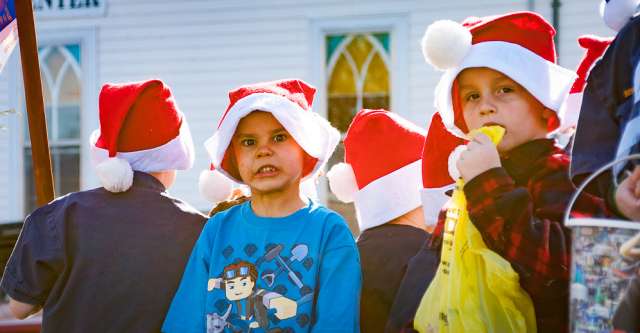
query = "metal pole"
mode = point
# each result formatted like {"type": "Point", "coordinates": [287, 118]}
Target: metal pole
{"type": "Point", "coordinates": [555, 5]}
{"type": "Point", "coordinates": [34, 102]}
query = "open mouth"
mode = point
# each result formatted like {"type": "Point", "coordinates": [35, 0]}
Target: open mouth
{"type": "Point", "coordinates": [492, 123]}
{"type": "Point", "coordinates": [266, 171]}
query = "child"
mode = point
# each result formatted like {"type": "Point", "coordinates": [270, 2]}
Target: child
{"type": "Point", "coordinates": [278, 261]}
{"type": "Point", "coordinates": [421, 268]}
{"type": "Point", "coordinates": [109, 259]}
{"type": "Point", "coordinates": [502, 71]}
{"type": "Point", "coordinates": [382, 175]}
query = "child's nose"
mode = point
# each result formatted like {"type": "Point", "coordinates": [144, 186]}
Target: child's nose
{"type": "Point", "coordinates": [487, 107]}
{"type": "Point", "coordinates": [487, 111]}
{"type": "Point", "coordinates": [264, 150]}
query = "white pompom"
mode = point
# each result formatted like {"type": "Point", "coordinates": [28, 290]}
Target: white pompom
{"type": "Point", "coordinates": [214, 186]}
{"type": "Point", "coordinates": [309, 189]}
{"type": "Point", "coordinates": [342, 182]}
{"type": "Point", "coordinates": [445, 44]}
{"type": "Point", "coordinates": [115, 174]}
{"type": "Point", "coordinates": [616, 13]}
{"type": "Point", "coordinates": [453, 160]}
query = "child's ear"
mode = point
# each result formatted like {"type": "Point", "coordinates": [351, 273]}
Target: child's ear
{"type": "Point", "coordinates": [547, 114]}
{"type": "Point", "coordinates": [230, 164]}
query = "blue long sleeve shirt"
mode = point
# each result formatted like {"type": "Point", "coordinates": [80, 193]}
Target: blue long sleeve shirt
{"type": "Point", "coordinates": [299, 273]}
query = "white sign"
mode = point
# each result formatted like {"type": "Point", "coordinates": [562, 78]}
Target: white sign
{"type": "Point", "coordinates": [68, 8]}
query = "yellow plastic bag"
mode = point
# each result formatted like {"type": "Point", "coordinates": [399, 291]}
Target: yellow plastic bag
{"type": "Point", "coordinates": [474, 289]}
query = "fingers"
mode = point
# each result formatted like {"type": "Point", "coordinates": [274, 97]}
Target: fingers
{"type": "Point", "coordinates": [478, 141]}
{"type": "Point", "coordinates": [482, 139]}
{"type": "Point", "coordinates": [473, 145]}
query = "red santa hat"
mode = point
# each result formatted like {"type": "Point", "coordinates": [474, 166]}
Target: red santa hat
{"type": "Point", "coordinates": [381, 173]}
{"type": "Point", "coordinates": [519, 45]}
{"type": "Point", "coordinates": [594, 49]}
{"type": "Point", "coordinates": [290, 103]}
{"type": "Point", "coordinates": [616, 13]}
{"type": "Point", "coordinates": [141, 128]}
{"type": "Point", "coordinates": [436, 168]}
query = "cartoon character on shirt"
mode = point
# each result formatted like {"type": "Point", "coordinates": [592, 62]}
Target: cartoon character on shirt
{"type": "Point", "coordinates": [249, 303]}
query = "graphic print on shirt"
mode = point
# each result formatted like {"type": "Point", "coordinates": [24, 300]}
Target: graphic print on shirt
{"type": "Point", "coordinates": [246, 306]}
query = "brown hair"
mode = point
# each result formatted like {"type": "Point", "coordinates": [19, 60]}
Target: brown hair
{"type": "Point", "coordinates": [253, 273]}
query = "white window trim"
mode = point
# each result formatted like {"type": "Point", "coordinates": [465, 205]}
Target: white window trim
{"type": "Point", "coordinates": [86, 37]}
{"type": "Point", "coordinates": [398, 28]}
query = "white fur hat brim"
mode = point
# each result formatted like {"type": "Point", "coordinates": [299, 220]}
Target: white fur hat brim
{"type": "Point", "coordinates": [313, 133]}
{"type": "Point", "coordinates": [547, 82]}
{"type": "Point", "coordinates": [114, 175]}
{"type": "Point", "coordinates": [177, 154]}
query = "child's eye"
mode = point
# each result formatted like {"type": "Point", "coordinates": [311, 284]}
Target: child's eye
{"type": "Point", "coordinates": [248, 142]}
{"type": "Point", "coordinates": [244, 284]}
{"type": "Point", "coordinates": [279, 137]}
{"type": "Point", "coordinates": [505, 90]}
{"type": "Point", "coordinates": [472, 97]}
{"type": "Point", "coordinates": [232, 287]}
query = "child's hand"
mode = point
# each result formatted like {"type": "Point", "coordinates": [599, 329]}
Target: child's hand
{"type": "Point", "coordinates": [628, 196]}
{"type": "Point", "coordinates": [480, 156]}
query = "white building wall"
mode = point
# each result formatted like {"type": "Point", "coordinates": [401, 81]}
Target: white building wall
{"type": "Point", "coordinates": [6, 131]}
{"type": "Point", "coordinates": [203, 48]}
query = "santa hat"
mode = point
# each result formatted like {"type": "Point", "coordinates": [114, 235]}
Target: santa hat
{"type": "Point", "coordinates": [141, 128]}
{"type": "Point", "coordinates": [519, 45]}
{"type": "Point", "coordinates": [381, 172]}
{"type": "Point", "coordinates": [290, 103]}
{"type": "Point", "coordinates": [437, 164]}
{"type": "Point", "coordinates": [616, 13]}
{"type": "Point", "coordinates": [594, 49]}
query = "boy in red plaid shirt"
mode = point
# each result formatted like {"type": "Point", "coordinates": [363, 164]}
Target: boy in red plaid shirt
{"type": "Point", "coordinates": [502, 70]}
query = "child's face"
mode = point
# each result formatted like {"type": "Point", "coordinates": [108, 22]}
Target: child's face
{"type": "Point", "coordinates": [238, 288]}
{"type": "Point", "coordinates": [488, 97]}
{"type": "Point", "coordinates": [269, 160]}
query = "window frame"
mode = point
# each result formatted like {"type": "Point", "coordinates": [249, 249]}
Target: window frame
{"type": "Point", "coordinates": [398, 28]}
{"type": "Point", "coordinates": [86, 38]}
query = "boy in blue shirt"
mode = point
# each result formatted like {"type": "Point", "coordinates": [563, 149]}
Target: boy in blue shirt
{"type": "Point", "coordinates": [279, 262]}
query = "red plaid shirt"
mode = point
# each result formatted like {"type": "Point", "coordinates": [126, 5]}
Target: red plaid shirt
{"type": "Point", "coordinates": [518, 208]}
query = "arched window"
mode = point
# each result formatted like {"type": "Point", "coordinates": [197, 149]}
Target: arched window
{"type": "Point", "coordinates": [61, 72]}
{"type": "Point", "coordinates": [357, 77]}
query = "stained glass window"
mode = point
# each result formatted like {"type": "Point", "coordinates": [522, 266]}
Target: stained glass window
{"type": "Point", "coordinates": [357, 77]}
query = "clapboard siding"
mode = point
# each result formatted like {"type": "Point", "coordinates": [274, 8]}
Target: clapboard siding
{"type": "Point", "coordinates": [6, 131]}
{"type": "Point", "coordinates": [202, 48]}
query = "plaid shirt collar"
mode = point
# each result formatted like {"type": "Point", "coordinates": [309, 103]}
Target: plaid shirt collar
{"type": "Point", "coordinates": [520, 162]}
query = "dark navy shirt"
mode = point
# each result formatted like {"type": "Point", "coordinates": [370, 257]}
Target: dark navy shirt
{"type": "Point", "coordinates": [103, 262]}
{"type": "Point", "coordinates": [609, 123]}
{"type": "Point", "coordinates": [384, 252]}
